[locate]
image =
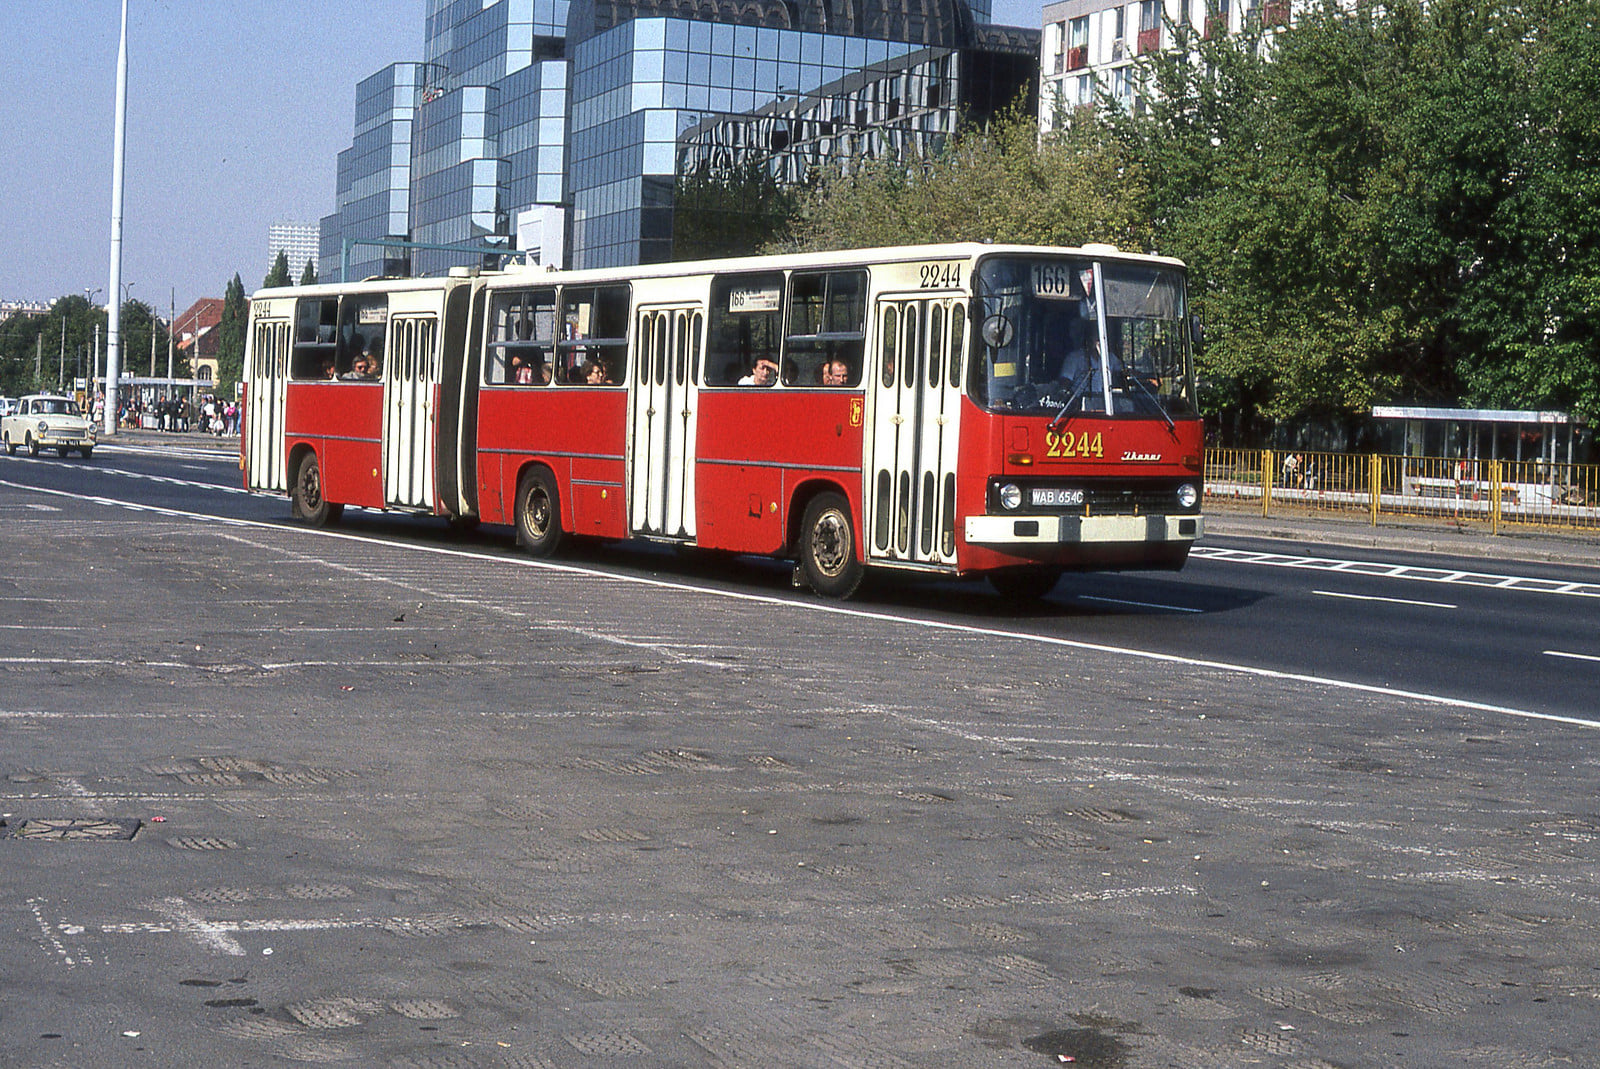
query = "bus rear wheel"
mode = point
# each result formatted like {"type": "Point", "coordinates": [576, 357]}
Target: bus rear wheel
{"type": "Point", "coordinates": [305, 495]}
{"type": "Point", "coordinates": [828, 547]}
{"type": "Point", "coordinates": [538, 514]}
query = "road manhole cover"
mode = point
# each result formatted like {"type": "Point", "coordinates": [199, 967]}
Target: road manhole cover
{"type": "Point", "coordinates": [95, 829]}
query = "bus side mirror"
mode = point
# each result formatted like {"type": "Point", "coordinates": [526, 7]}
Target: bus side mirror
{"type": "Point", "coordinates": [1197, 333]}
{"type": "Point", "coordinates": [997, 331]}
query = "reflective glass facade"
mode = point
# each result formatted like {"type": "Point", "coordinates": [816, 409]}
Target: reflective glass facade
{"type": "Point", "coordinates": [640, 86]}
{"type": "Point", "coordinates": [374, 178]}
{"type": "Point", "coordinates": [491, 123]}
{"type": "Point", "coordinates": [598, 107]}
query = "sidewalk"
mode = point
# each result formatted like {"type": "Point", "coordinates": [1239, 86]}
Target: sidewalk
{"type": "Point", "coordinates": [175, 440]}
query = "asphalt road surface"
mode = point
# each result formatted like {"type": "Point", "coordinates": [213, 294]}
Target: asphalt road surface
{"type": "Point", "coordinates": [397, 797]}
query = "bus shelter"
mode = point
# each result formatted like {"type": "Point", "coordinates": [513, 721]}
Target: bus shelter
{"type": "Point", "coordinates": [1509, 434]}
{"type": "Point", "coordinates": [1530, 456]}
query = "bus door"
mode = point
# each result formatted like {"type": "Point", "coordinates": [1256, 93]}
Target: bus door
{"type": "Point", "coordinates": [264, 405]}
{"type": "Point", "coordinates": [662, 405]}
{"type": "Point", "coordinates": [916, 392]}
{"type": "Point", "coordinates": [409, 376]}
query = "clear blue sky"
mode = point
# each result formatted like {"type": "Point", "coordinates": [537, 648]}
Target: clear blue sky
{"type": "Point", "coordinates": [236, 112]}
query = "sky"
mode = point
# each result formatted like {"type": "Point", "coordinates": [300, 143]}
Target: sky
{"type": "Point", "coordinates": [237, 111]}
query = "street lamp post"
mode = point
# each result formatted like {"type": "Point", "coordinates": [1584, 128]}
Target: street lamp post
{"type": "Point", "coordinates": [118, 152]}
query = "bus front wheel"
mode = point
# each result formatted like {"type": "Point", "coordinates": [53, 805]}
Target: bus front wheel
{"type": "Point", "coordinates": [538, 514]}
{"type": "Point", "coordinates": [828, 547]}
{"type": "Point", "coordinates": [305, 495]}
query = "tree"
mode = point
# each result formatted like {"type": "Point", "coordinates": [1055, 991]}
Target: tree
{"type": "Point", "coordinates": [308, 277]}
{"type": "Point", "coordinates": [1395, 204]}
{"type": "Point", "coordinates": [729, 213]}
{"type": "Point", "coordinates": [230, 337]}
{"type": "Point", "coordinates": [279, 275]}
{"type": "Point", "coordinates": [998, 182]}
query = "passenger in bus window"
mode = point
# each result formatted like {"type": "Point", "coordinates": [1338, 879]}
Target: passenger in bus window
{"type": "Point", "coordinates": [375, 358]}
{"type": "Point", "coordinates": [327, 368]}
{"type": "Point", "coordinates": [595, 374]}
{"type": "Point", "coordinates": [765, 373]}
{"type": "Point", "coordinates": [521, 373]}
{"type": "Point", "coordinates": [835, 372]}
{"type": "Point", "coordinates": [358, 370]}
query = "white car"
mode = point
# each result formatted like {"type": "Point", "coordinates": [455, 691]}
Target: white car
{"type": "Point", "coordinates": [47, 421]}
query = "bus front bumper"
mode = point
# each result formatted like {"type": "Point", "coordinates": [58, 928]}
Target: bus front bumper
{"type": "Point", "coordinates": [1005, 532]}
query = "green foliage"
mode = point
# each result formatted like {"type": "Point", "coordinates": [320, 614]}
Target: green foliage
{"type": "Point", "coordinates": [230, 337]}
{"type": "Point", "coordinates": [33, 356]}
{"type": "Point", "coordinates": [308, 277]}
{"type": "Point", "coordinates": [997, 183]}
{"type": "Point", "coordinates": [142, 335]}
{"type": "Point", "coordinates": [1387, 207]}
{"type": "Point", "coordinates": [279, 275]}
{"type": "Point", "coordinates": [732, 213]}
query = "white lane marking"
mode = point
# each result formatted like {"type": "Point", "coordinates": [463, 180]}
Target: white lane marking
{"type": "Point", "coordinates": [36, 906]}
{"type": "Point", "coordinates": [206, 933]}
{"type": "Point", "coordinates": [1414, 573]}
{"type": "Point", "coordinates": [1572, 656]}
{"type": "Point", "coordinates": [1391, 601]}
{"type": "Point", "coordinates": [834, 609]}
{"type": "Point", "coordinates": [227, 488]}
{"type": "Point", "coordinates": [1136, 604]}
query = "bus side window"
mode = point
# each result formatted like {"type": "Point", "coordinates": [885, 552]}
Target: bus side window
{"type": "Point", "coordinates": [315, 320]}
{"type": "Point", "coordinates": [363, 324]}
{"type": "Point", "coordinates": [595, 333]}
{"type": "Point", "coordinates": [522, 335]}
{"type": "Point", "coordinates": [827, 329]}
{"type": "Point", "coordinates": [744, 326]}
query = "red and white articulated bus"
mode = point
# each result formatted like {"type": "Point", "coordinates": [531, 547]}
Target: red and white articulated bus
{"type": "Point", "coordinates": [963, 409]}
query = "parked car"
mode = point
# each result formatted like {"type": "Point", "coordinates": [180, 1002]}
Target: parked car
{"type": "Point", "coordinates": [47, 421]}
{"type": "Point", "coordinates": [8, 405]}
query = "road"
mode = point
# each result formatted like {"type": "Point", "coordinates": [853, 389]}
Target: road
{"type": "Point", "coordinates": [1517, 637]}
{"type": "Point", "coordinates": [403, 798]}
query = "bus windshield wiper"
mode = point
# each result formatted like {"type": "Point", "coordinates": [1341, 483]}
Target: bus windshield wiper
{"type": "Point", "coordinates": [1161, 408]}
{"type": "Point", "coordinates": [1078, 386]}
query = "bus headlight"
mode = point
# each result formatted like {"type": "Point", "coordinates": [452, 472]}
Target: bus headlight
{"type": "Point", "coordinates": [1010, 496]}
{"type": "Point", "coordinates": [1187, 496]}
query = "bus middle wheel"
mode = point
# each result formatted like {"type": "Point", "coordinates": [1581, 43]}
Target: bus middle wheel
{"type": "Point", "coordinates": [538, 514]}
{"type": "Point", "coordinates": [828, 547]}
{"type": "Point", "coordinates": [305, 495]}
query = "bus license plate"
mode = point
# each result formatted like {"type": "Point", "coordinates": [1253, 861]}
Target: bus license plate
{"type": "Point", "coordinates": [1050, 496]}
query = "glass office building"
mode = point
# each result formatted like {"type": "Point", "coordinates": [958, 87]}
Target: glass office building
{"type": "Point", "coordinates": [374, 181]}
{"type": "Point", "coordinates": [656, 94]}
{"type": "Point", "coordinates": [584, 118]}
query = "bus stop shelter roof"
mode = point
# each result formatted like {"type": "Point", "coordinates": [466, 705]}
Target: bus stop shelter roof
{"type": "Point", "coordinates": [1470, 415]}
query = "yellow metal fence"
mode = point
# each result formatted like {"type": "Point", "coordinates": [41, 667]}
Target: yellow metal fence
{"type": "Point", "coordinates": [1496, 493]}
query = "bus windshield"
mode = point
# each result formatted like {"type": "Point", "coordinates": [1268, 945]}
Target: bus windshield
{"type": "Point", "coordinates": [1047, 343]}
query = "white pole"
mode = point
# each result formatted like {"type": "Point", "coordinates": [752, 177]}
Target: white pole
{"type": "Point", "coordinates": [114, 330]}
{"type": "Point", "coordinates": [172, 330]}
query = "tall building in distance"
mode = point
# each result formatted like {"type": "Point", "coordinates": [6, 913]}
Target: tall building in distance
{"type": "Point", "coordinates": [1089, 46]}
{"type": "Point", "coordinates": [568, 130]}
{"type": "Point", "coordinates": [298, 243]}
